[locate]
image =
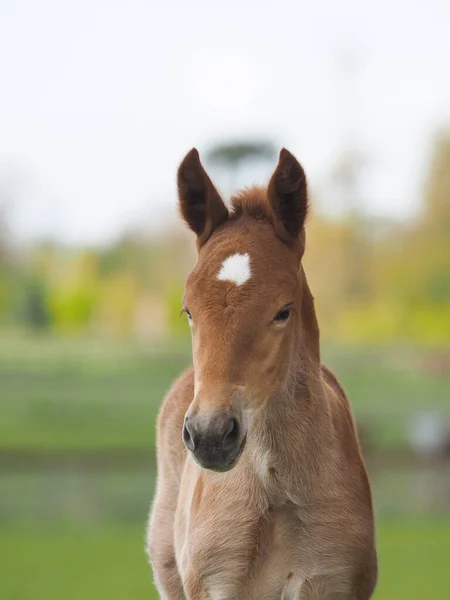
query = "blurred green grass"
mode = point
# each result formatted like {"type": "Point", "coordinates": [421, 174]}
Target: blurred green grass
{"type": "Point", "coordinates": [414, 559]}
{"type": "Point", "coordinates": [109, 562]}
{"type": "Point", "coordinates": [78, 396]}
{"type": "Point", "coordinates": [75, 564]}
{"type": "Point", "coordinates": [78, 532]}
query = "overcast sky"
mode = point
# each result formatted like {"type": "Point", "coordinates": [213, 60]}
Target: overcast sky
{"type": "Point", "coordinates": [99, 100]}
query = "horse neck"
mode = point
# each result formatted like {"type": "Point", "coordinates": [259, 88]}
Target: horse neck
{"type": "Point", "coordinates": [307, 335]}
{"type": "Point", "coordinates": [305, 372]}
{"type": "Point", "coordinates": [293, 430]}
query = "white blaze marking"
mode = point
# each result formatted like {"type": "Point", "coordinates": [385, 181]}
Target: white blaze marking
{"type": "Point", "coordinates": [236, 268]}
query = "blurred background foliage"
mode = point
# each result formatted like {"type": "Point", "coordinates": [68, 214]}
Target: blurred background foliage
{"type": "Point", "coordinates": [374, 280]}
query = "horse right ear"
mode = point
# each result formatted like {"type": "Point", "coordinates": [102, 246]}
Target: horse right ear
{"type": "Point", "coordinates": [288, 196]}
{"type": "Point", "coordinates": [200, 203]}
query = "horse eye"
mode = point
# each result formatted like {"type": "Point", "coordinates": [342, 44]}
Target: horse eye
{"type": "Point", "coordinates": [282, 315]}
{"type": "Point", "coordinates": [184, 310]}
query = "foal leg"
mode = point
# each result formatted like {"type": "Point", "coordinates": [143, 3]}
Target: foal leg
{"type": "Point", "coordinates": [170, 458]}
{"type": "Point", "coordinates": [195, 590]}
{"type": "Point", "coordinates": [161, 547]}
{"type": "Point", "coordinates": [337, 588]}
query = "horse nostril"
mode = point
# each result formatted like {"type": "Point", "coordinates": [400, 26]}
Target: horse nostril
{"type": "Point", "coordinates": [232, 434]}
{"type": "Point", "coordinates": [187, 437]}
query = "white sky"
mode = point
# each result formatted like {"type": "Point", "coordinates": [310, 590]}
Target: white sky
{"type": "Point", "coordinates": [99, 100]}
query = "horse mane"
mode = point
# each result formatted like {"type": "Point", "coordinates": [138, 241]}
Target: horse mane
{"type": "Point", "coordinates": [252, 202]}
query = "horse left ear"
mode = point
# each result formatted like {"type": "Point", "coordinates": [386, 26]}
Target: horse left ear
{"type": "Point", "coordinates": [200, 203]}
{"type": "Point", "coordinates": [288, 197]}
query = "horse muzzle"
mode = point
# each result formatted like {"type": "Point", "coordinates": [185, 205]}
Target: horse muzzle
{"type": "Point", "coordinates": [215, 440]}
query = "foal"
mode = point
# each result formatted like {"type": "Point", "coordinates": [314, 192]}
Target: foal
{"type": "Point", "coordinates": [262, 493]}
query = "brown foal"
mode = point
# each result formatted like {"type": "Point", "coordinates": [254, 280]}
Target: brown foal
{"type": "Point", "coordinates": [262, 493]}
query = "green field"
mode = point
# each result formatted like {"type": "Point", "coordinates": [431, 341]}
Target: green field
{"type": "Point", "coordinates": [110, 563]}
{"type": "Point", "coordinates": [81, 395]}
{"type": "Point", "coordinates": [73, 528]}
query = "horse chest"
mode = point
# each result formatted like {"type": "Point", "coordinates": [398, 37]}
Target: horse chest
{"type": "Point", "coordinates": [234, 546]}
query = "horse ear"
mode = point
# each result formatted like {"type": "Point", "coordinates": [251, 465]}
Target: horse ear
{"type": "Point", "coordinates": [288, 197]}
{"type": "Point", "coordinates": [200, 203]}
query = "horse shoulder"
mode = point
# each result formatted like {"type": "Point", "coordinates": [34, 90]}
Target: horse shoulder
{"type": "Point", "coordinates": [353, 488]}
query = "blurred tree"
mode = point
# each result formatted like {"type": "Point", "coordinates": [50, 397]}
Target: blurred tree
{"type": "Point", "coordinates": [436, 220]}
{"type": "Point", "coordinates": [355, 247]}
{"type": "Point", "coordinates": [3, 264]}
{"type": "Point", "coordinates": [73, 293]}
{"type": "Point", "coordinates": [431, 242]}
{"type": "Point", "coordinates": [376, 282]}
{"type": "Point", "coordinates": [231, 156]}
{"type": "Point", "coordinates": [412, 268]}
{"type": "Point", "coordinates": [133, 253]}
{"type": "Point", "coordinates": [9, 268]}
{"type": "Point", "coordinates": [152, 261]}
{"type": "Point", "coordinates": [35, 311]}
{"type": "Point", "coordinates": [117, 303]}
